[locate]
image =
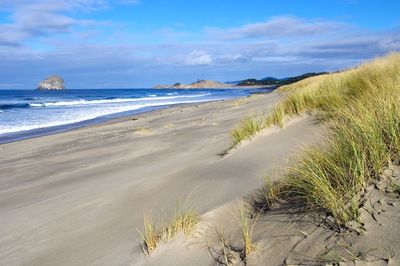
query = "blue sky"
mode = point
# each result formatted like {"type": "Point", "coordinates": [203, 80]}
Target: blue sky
{"type": "Point", "coordinates": [140, 43]}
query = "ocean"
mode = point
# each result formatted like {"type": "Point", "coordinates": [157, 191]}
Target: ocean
{"type": "Point", "coordinates": [30, 113]}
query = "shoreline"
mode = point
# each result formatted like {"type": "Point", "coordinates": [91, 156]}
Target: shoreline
{"type": "Point", "coordinates": [117, 117]}
{"type": "Point", "coordinates": [189, 87]}
{"type": "Point", "coordinates": [39, 132]}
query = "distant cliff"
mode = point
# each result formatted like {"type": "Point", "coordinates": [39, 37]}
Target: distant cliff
{"type": "Point", "coordinates": [270, 81]}
{"type": "Point", "coordinates": [52, 83]}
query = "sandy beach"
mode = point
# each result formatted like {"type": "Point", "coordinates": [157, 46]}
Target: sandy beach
{"type": "Point", "coordinates": [78, 197]}
{"type": "Point", "coordinates": [199, 133]}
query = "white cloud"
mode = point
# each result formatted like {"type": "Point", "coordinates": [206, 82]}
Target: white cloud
{"type": "Point", "coordinates": [230, 58]}
{"type": "Point", "coordinates": [49, 36]}
{"type": "Point", "coordinates": [42, 18]}
{"type": "Point", "coordinates": [198, 57]}
{"type": "Point", "coordinates": [283, 26]}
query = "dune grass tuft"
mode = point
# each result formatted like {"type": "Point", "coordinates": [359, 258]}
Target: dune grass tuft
{"type": "Point", "coordinates": [149, 235]}
{"type": "Point", "coordinates": [247, 224]}
{"type": "Point", "coordinates": [248, 127]}
{"type": "Point", "coordinates": [184, 219]}
{"type": "Point", "coordinates": [273, 192]}
{"type": "Point", "coordinates": [361, 109]}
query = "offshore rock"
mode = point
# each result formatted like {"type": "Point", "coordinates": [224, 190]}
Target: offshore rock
{"type": "Point", "coordinates": [52, 83]}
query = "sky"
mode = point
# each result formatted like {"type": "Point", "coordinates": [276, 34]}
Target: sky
{"type": "Point", "coordinates": [140, 43]}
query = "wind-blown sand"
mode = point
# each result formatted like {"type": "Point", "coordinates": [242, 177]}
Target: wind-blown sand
{"type": "Point", "coordinates": [78, 197]}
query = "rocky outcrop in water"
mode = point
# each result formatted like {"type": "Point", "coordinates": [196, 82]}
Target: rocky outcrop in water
{"type": "Point", "coordinates": [52, 83]}
{"type": "Point", "coordinates": [195, 85]}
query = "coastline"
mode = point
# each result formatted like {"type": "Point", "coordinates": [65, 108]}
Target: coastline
{"type": "Point", "coordinates": [85, 190]}
{"type": "Point", "coordinates": [41, 132]}
{"type": "Point", "coordinates": [236, 87]}
{"type": "Point", "coordinates": [38, 132]}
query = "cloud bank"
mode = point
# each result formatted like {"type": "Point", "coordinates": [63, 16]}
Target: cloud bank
{"type": "Point", "coordinates": [47, 37]}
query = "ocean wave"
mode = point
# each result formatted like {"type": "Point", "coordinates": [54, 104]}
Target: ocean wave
{"type": "Point", "coordinates": [111, 101]}
{"type": "Point", "coordinates": [36, 105]}
{"type": "Point", "coordinates": [8, 106]}
{"type": "Point", "coordinates": [31, 98]}
{"type": "Point", "coordinates": [76, 117]}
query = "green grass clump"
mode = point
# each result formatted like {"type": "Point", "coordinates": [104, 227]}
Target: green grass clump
{"type": "Point", "coordinates": [247, 129]}
{"type": "Point", "coordinates": [364, 138]}
{"type": "Point", "coordinates": [184, 220]}
{"type": "Point", "coordinates": [361, 108]}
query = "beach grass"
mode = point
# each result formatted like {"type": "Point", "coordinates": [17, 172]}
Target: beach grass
{"type": "Point", "coordinates": [247, 128]}
{"type": "Point", "coordinates": [273, 192]}
{"type": "Point", "coordinates": [184, 219]}
{"type": "Point", "coordinates": [360, 108]}
{"type": "Point", "coordinates": [150, 236]}
{"type": "Point", "coordinates": [247, 224]}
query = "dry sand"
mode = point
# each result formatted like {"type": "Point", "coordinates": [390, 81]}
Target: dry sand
{"type": "Point", "coordinates": [78, 197]}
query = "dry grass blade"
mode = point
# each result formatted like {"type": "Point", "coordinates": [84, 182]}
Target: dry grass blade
{"type": "Point", "coordinates": [247, 224]}
{"type": "Point", "coordinates": [184, 220]}
{"type": "Point", "coordinates": [149, 235]}
{"type": "Point", "coordinates": [185, 217]}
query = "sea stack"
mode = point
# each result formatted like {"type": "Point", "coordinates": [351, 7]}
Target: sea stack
{"type": "Point", "coordinates": [52, 83]}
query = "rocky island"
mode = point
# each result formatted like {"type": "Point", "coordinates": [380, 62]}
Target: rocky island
{"type": "Point", "coordinates": [195, 85]}
{"type": "Point", "coordinates": [52, 83]}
